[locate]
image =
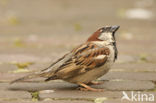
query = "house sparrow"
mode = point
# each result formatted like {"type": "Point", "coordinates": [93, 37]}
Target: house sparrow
{"type": "Point", "coordinates": [86, 62]}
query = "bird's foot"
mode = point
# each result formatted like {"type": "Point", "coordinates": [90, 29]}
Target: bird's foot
{"type": "Point", "coordinates": [84, 87]}
{"type": "Point", "coordinates": [95, 83]}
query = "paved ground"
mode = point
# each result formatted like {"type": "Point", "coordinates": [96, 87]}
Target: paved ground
{"type": "Point", "coordinates": [35, 33]}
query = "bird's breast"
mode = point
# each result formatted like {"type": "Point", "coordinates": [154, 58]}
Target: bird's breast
{"type": "Point", "coordinates": [112, 54]}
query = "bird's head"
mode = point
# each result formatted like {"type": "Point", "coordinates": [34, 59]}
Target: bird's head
{"type": "Point", "coordinates": [106, 33]}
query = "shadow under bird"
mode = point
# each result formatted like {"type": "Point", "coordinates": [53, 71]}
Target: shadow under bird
{"type": "Point", "coordinates": [85, 63]}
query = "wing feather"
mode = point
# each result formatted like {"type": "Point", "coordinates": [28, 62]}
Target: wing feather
{"type": "Point", "coordinates": [82, 60]}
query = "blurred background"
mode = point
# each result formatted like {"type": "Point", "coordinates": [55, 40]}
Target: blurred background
{"type": "Point", "coordinates": [40, 31]}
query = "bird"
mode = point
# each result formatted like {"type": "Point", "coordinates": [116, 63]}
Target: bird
{"type": "Point", "coordinates": [85, 63]}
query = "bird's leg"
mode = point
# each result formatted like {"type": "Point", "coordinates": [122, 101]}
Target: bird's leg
{"type": "Point", "coordinates": [88, 88]}
{"type": "Point", "coordinates": [95, 83]}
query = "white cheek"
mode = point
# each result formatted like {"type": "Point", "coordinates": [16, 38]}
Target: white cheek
{"type": "Point", "coordinates": [105, 36]}
{"type": "Point", "coordinates": [109, 36]}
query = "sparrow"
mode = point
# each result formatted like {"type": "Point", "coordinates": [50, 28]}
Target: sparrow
{"type": "Point", "coordinates": [85, 63]}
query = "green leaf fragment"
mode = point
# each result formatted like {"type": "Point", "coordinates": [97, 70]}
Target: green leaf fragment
{"type": "Point", "coordinates": [35, 96]}
{"type": "Point", "coordinates": [100, 100]}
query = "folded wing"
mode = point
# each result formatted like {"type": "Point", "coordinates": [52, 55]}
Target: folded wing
{"type": "Point", "coordinates": [86, 57]}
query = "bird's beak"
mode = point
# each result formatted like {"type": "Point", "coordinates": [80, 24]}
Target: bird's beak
{"type": "Point", "coordinates": [114, 28]}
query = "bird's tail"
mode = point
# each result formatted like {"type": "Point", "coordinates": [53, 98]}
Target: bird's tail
{"type": "Point", "coordinates": [33, 75]}
{"type": "Point", "coordinates": [46, 73]}
{"type": "Point", "coordinates": [30, 76]}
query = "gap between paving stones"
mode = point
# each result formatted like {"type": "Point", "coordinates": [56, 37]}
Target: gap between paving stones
{"type": "Point", "coordinates": [49, 99]}
{"type": "Point", "coordinates": [42, 99]}
{"type": "Point", "coordinates": [57, 99]}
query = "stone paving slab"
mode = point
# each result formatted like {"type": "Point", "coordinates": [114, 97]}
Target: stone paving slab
{"type": "Point", "coordinates": [112, 75]}
{"type": "Point", "coordinates": [6, 67]}
{"type": "Point", "coordinates": [108, 85]}
{"type": "Point", "coordinates": [151, 76]}
{"type": "Point", "coordinates": [7, 77]}
{"type": "Point", "coordinates": [49, 101]}
{"type": "Point", "coordinates": [74, 101]}
{"type": "Point", "coordinates": [134, 67]}
{"type": "Point", "coordinates": [106, 95]}
{"type": "Point", "coordinates": [68, 95]}
{"type": "Point", "coordinates": [81, 94]}
{"type": "Point", "coordinates": [125, 101]}
{"type": "Point", "coordinates": [6, 94]}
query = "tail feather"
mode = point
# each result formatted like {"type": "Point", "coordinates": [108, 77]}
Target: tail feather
{"type": "Point", "coordinates": [46, 73]}
{"type": "Point", "coordinates": [43, 74]}
{"type": "Point", "coordinates": [30, 76]}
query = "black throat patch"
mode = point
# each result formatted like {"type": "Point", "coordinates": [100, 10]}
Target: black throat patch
{"type": "Point", "coordinates": [115, 51]}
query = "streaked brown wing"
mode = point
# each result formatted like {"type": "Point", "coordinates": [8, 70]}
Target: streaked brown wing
{"type": "Point", "coordinates": [86, 57]}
